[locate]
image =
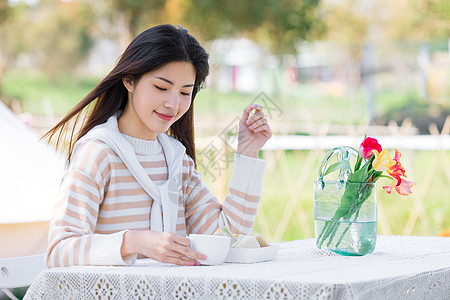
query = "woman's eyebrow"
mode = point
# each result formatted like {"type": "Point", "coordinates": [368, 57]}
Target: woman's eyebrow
{"type": "Point", "coordinates": [170, 82]}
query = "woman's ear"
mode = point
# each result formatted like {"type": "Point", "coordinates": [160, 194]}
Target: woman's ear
{"type": "Point", "coordinates": [128, 82]}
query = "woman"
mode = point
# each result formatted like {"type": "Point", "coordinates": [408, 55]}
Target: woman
{"type": "Point", "coordinates": [131, 188]}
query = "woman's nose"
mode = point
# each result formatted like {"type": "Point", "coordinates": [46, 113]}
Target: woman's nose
{"type": "Point", "coordinates": [172, 101]}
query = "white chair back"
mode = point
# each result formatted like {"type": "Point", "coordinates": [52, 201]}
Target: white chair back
{"type": "Point", "coordinates": [20, 271]}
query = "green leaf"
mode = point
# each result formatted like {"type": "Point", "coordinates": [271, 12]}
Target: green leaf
{"type": "Point", "coordinates": [360, 175]}
{"type": "Point", "coordinates": [358, 163]}
{"type": "Point", "coordinates": [342, 164]}
{"type": "Point", "coordinates": [376, 175]}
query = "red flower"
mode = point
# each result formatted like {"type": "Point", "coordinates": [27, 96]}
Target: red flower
{"type": "Point", "coordinates": [369, 144]}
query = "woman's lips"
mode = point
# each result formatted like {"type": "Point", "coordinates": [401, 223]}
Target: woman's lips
{"type": "Point", "coordinates": [164, 117]}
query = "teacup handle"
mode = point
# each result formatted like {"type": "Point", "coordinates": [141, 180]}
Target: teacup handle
{"type": "Point", "coordinates": [342, 153]}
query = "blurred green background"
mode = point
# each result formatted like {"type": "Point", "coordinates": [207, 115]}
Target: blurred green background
{"type": "Point", "coordinates": [332, 67]}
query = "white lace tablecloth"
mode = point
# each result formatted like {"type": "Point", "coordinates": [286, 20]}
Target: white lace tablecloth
{"type": "Point", "coordinates": [401, 267]}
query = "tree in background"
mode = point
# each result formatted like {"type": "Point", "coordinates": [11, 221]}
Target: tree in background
{"type": "Point", "coordinates": [63, 32]}
{"type": "Point", "coordinates": [418, 21]}
{"type": "Point", "coordinates": [355, 23]}
{"type": "Point", "coordinates": [347, 24]}
{"type": "Point", "coordinates": [277, 24]}
{"type": "Point", "coordinates": [127, 18]}
{"type": "Point", "coordinates": [54, 36]}
{"type": "Point", "coordinates": [401, 26]}
{"type": "Point", "coordinates": [61, 36]}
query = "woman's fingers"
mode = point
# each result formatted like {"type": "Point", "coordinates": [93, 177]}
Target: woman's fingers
{"type": "Point", "coordinates": [169, 247]}
{"type": "Point", "coordinates": [254, 131]}
{"type": "Point", "coordinates": [247, 119]}
{"type": "Point", "coordinates": [184, 241]}
{"type": "Point", "coordinates": [257, 119]}
{"type": "Point", "coordinates": [260, 124]}
{"type": "Point", "coordinates": [178, 259]}
{"type": "Point", "coordinates": [257, 123]}
{"type": "Point", "coordinates": [181, 261]}
{"type": "Point", "coordinates": [183, 253]}
{"type": "Point", "coordinates": [246, 112]}
{"type": "Point", "coordinates": [182, 245]}
{"type": "Point", "coordinates": [188, 251]}
{"type": "Point", "coordinates": [265, 129]}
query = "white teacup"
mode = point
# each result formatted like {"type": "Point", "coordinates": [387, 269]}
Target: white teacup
{"type": "Point", "coordinates": [213, 246]}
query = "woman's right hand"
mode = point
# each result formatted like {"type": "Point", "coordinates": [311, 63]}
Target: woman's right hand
{"type": "Point", "coordinates": [165, 247]}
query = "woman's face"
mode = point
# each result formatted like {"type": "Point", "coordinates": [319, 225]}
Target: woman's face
{"type": "Point", "coordinates": [157, 100]}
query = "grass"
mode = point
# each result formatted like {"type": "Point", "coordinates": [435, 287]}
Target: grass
{"type": "Point", "coordinates": [34, 90]}
{"type": "Point", "coordinates": [288, 183]}
{"type": "Point", "coordinates": [289, 194]}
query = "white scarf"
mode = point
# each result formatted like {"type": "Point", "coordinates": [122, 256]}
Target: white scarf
{"type": "Point", "coordinates": [165, 196]}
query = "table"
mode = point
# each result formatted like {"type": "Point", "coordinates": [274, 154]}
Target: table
{"type": "Point", "coordinates": [401, 267]}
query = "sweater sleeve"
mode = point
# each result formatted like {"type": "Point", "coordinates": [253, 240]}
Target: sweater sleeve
{"type": "Point", "coordinates": [72, 240]}
{"type": "Point", "coordinates": [204, 213]}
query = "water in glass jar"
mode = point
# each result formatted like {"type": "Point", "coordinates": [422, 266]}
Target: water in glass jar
{"type": "Point", "coordinates": [351, 238]}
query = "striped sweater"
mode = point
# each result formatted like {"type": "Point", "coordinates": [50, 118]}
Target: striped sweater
{"type": "Point", "coordinates": [100, 200]}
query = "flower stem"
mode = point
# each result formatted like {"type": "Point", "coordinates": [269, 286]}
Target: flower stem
{"type": "Point", "coordinates": [346, 229]}
{"type": "Point", "coordinates": [351, 201]}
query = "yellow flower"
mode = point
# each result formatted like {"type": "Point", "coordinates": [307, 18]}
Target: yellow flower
{"type": "Point", "coordinates": [382, 160]}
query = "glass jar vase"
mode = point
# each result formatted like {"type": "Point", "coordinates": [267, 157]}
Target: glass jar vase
{"type": "Point", "coordinates": [345, 213]}
{"type": "Point", "coordinates": [345, 217]}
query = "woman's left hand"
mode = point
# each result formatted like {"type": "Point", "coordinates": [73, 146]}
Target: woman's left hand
{"type": "Point", "coordinates": [254, 131]}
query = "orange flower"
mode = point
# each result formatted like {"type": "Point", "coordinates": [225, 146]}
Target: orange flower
{"type": "Point", "coordinates": [445, 233]}
{"type": "Point", "coordinates": [397, 170]}
{"type": "Point", "coordinates": [401, 185]}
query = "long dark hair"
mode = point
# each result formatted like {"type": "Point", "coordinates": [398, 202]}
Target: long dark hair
{"type": "Point", "coordinates": [150, 50]}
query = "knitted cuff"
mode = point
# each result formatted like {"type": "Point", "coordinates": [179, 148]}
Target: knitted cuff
{"type": "Point", "coordinates": [105, 250]}
{"type": "Point", "coordinates": [248, 174]}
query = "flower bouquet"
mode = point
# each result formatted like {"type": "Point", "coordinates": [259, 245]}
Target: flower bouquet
{"type": "Point", "coordinates": [345, 210]}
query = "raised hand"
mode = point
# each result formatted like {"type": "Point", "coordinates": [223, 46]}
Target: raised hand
{"type": "Point", "coordinates": [254, 131]}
